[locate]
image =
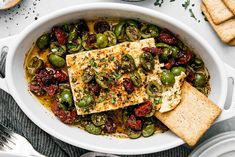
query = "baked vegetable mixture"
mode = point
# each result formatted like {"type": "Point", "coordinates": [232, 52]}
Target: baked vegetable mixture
{"type": "Point", "coordinates": [48, 77]}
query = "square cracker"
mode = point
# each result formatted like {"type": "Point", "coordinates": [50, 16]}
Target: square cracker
{"type": "Point", "coordinates": [230, 4]}
{"type": "Point", "coordinates": [192, 117]}
{"type": "Point", "coordinates": [218, 11]}
{"type": "Point", "coordinates": [226, 30]}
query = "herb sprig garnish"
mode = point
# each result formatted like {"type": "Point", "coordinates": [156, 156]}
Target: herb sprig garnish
{"type": "Point", "coordinates": [186, 4]}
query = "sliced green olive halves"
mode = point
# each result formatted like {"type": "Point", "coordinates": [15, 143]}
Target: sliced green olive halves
{"type": "Point", "coordinates": [153, 88]}
{"type": "Point", "coordinates": [88, 74]}
{"type": "Point", "coordinates": [92, 129]}
{"type": "Point", "coordinates": [98, 119]}
{"type": "Point", "coordinates": [102, 79]}
{"type": "Point", "coordinates": [66, 98]}
{"type": "Point", "coordinates": [34, 65]}
{"type": "Point", "coordinates": [147, 61]}
{"type": "Point", "coordinates": [133, 33]}
{"type": "Point", "coordinates": [128, 63]}
{"type": "Point", "coordinates": [148, 130]}
{"type": "Point", "coordinates": [167, 77]}
{"type": "Point", "coordinates": [136, 79]}
{"type": "Point", "coordinates": [86, 101]}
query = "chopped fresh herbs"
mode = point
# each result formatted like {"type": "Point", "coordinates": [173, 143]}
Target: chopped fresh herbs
{"type": "Point", "coordinates": [192, 14]}
{"type": "Point", "coordinates": [93, 63]}
{"type": "Point", "coordinates": [158, 3]}
{"type": "Point", "coordinates": [113, 100]}
{"type": "Point", "coordinates": [186, 4]}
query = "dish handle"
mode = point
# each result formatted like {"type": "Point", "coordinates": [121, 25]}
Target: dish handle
{"type": "Point", "coordinates": [5, 44]}
{"type": "Point", "coordinates": [229, 113]}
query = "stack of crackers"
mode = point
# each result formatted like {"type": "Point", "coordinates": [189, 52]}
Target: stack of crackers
{"type": "Point", "coordinates": [221, 15]}
{"type": "Point", "coordinates": [192, 117]}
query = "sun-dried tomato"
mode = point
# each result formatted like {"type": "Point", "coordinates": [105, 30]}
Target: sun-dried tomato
{"type": "Point", "coordinates": [60, 76]}
{"type": "Point", "coordinates": [61, 36]}
{"type": "Point", "coordinates": [143, 109]}
{"type": "Point", "coordinates": [67, 117]}
{"type": "Point", "coordinates": [94, 88]}
{"type": "Point", "coordinates": [133, 123]}
{"type": "Point", "coordinates": [128, 85]}
{"type": "Point", "coordinates": [169, 64]}
{"type": "Point", "coordinates": [36, 89]}
{"type": "Point", "coordinates": [153, 50]}
{"type": "Point", "coordinates": [185, 58]}
{"type": "Point", "coordinates": [110, 126]}
{"type": "Point", "coordinates": [190, 75]}
{"type": "Point", "coordinates": [167, 37]}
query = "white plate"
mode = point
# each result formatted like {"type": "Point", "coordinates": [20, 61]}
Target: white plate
{"type": "Point", "coordinates": [222, 145]}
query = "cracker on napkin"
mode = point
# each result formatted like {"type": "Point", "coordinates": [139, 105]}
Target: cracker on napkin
{"type": "Point", "coordinates": [230, 4]}
{"type": "Point", "coordinates": [218, 11]}
{"type": "Point", "coordinates": [226, 30]}
{"type": "Point", "coordinates": [192, 117]}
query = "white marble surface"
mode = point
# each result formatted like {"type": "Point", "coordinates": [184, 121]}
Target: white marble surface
{"type": "Point", "coordinates": [13, 21]}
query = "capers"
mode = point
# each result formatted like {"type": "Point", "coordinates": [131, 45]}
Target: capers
{"type": "Point", "coordinates": [147, 61]}
{"type": "Point", "coordinates": [112, 40]}
{"type": "Point", "coordinates": [92, 129]}
{"type": "Point", "coordinates": [66, 99]}
{"type": "Point", "coordinates": [102, 80]}
{"type": "Point", "coordinates": [101, 40]}
{"type": "Point", "coordinates": [34, 65]}
{"type": "Point", "coordinates": [178, 70]}
{"type": "Point", "coordinates": [56, 61]}
{"type": "Point", "coordinates": [167, 77]}
{"type": "Point", "coordinates": [133, 134]}
{"type": "Point", "coordinates": [153, 88]}
{"type": "Point", "coordinates": [136, 79]}
{"type": "Point", "coordinates": [88, 75]}
{"type": "Point", "coordinates": [133, 33]}
{"type": "Point", "coordinates": [43, 41]}
{"type": "Point", "coordinates": [86, 101]}
{"type": "Point", "coordinates": [98, 119]}
{"type": "Point", "coordinates": [148, 130]}
{"type": "Point", "coordinates": [200, 80]}
{"type": "Point", "coordinates": [128, 63]}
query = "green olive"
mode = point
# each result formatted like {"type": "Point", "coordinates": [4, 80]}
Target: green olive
{"type": "Point", "coordinates": [119, 28]}
{"type": "Point", "coordinates": [102, 80]}
{"type": "Point", "coordinates": [56, 61]}
{"type": "Point", "coordinates": [88, 75]}
{"type": "Point", "coordinates": [66, 98]}
{"type": "Point", "coordinates": [43, 41]}
{"type": "Point", "coordinates": [200, 80]}
{"type": "Point", "coordinates": [75, 46]}
{"type": "Point", "coordinates": [163, 45]}
{"type": "Point", "coordinates": [131, 22]}
{"type": "Point", "coordinates": [98, 119]}
{"type": "Point", "coordinates": [58, 49]}
{"type": "Point", "coordinates": [197, 63]}
{"type": "Point", "coordinates": [147, 61]}
{"type": "Point", "coordinates": [167, 77]}
{"type": "Point", "coordinates": [133, 134]}
{"type": "Point", "coordinates": [166, 52]}
{"type": "Point", "coordinates": [112, 40]}
{"type": "Point", "coordinates": [136, 79]}
{"type": "Point", "coordinates": [178, 70]}
{"type": "Point", "coordinates": [174, 51]}
{"type": "Point", "coordinates": [133, 33]}
{"type": "Point", "coordinates": [92, 129]}
{"type": "Point", "coordinates": [148, 130]}
{"type": "Point", "coordinates": [128, 63]}
{"type": "Point", "coordinates": [153, 88]}
{"type": "Point", "coordinates": [148, 31]}
{"type": "Point", "coordinates": [73, 34]}
{"type": "Point", "coordinates": [86, 101]}
{"type": "Point", "coordinates": [101, 40]}
{"type": "Point", "coordinates": [34, 65]}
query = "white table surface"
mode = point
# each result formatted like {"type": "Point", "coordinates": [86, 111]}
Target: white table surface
{"type": "Point", "coordinates": [13, 21]}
